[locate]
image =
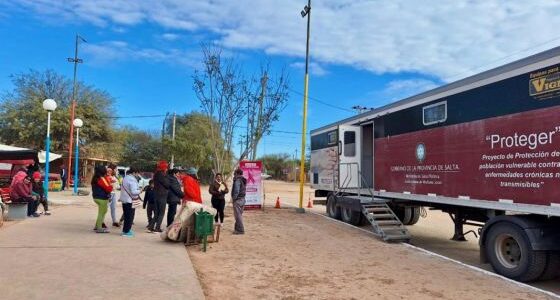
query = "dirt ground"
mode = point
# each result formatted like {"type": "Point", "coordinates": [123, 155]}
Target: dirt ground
{"type": "Point", "coordinates": [432, 233]}
{"type": "Point", "coordinates": [286, 255]}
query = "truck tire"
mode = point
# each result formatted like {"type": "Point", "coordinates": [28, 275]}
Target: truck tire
{"type": "Point", "coordinates": [552, 269]}
{"type": "Point", "coordinates": [351, 216]}
{"type": "Point", "coordinates": [415, 215]}
{"type": "Point", "coordinates": [403, 213]}
{"type": "Point", "coordinates": [332, 210]}
{"type": "Point", "coordinates": [509, 251]}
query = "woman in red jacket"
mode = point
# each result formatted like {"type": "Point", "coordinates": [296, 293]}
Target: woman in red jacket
{"type": "Point", "coordinates": [191, 187]}
{"type": "Point", "coordinates": [101, 192]}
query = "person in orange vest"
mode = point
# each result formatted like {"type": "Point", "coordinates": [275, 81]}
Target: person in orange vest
{"type": "Point", "coordinates": [191, 186]}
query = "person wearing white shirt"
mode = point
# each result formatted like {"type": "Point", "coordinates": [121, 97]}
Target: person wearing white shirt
{"type": "Point", "coordinates": [130, 194]}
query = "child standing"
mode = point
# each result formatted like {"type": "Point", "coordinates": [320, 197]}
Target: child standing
{"type": "Point", "coordinates": [149, 201]}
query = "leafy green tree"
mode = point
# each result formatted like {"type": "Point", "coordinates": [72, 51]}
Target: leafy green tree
{"type": "Point", "coordinates": [23, 122]}
{"type": "Point", "coordinates": [193, 147]}
{"type": "Point", "coordinates": [137, 148]}
{"type": "Point", "coordinates": [275, 164]}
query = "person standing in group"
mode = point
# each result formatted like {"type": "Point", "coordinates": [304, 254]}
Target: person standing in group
{"type": "Point", "coordinates": [218, 189]}
{"type": "Point", "coordinates": [174, 196]}
{"type": "Point", "coordinates": [161, 189]}
{"type": "Point", "coordinates": [149, 201]}
{"type": "Point", "coordinates": [191, 186]}
{"type": "Point", "coordinates": [112, 178]}
{"type": "Point", "coordinates": [101, 191]}
{"type": "Point", "coordinates": [63, 177]}
{"type": "Point", "coordinates": [39, 192]}
{"type": "Point", "coordinates": [130, 195]}
{"type": "Point", "coordinates": [238, 199]}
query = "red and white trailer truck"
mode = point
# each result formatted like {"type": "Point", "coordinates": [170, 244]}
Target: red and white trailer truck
{"type": "Point", "coordinates": [485, 149]}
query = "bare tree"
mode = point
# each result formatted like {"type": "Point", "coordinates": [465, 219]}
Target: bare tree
{"type": "Point", "coordinates": [220, 90]}
{"type": "Point", "coordinates": [267, 101]}
{"type": "Point", "coordinates": [228, 96]}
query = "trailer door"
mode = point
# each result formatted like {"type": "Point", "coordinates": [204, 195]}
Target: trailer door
{"type": "Point", "coordinates": [349, 150]}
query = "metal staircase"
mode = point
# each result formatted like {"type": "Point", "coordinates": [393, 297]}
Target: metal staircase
{"type": "Point", "coordinates": [381, 217]}
{"type": "Point", "coordinates": [384, 221]}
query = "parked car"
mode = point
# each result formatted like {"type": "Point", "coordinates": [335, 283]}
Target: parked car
{"type": "Point", "coordinates": [145, 178]}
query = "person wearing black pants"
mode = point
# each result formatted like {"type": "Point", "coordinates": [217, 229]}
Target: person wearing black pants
{"type": "Point", "coordinates": [149, 201]}
{"type": "Point", "coordinates": [218, 189]}
{"type": "Point", "coordinates": [174, 196]}
{"type": "Point", "coordinates": [130, 196]}
{"type": "Point", "coordinates": [161, 189]}
{"type": "Point", "coordinates": [128, 214]}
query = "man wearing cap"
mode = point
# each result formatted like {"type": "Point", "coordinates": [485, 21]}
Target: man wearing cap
{"type": "Point", "coordinates": [191, 186]}
{"type": "Point", "coordinates": [161, 190]}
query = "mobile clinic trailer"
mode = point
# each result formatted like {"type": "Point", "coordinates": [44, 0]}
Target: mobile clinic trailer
{"type": "Point", "coordinates": [485, 149]}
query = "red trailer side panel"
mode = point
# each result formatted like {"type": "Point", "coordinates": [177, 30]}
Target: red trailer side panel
{"type": "Point", "coordinates": [515, 157]}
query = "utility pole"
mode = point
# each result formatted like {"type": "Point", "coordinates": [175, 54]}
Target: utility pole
{"type": "Point", "coordinates": [173, 141]}
{"type": "Point", "coordinates": [294, 167]}
{"type": "Point", "coordinates": [163, 134]}
{"type": "Point", "coordinates": [305, 12]}
{"type": "Point", "coordinates": [258, 133]}
{"type": "Point", "coordinates": [76, 61]}
{"type": "Point", "coordinates": [241, 146]}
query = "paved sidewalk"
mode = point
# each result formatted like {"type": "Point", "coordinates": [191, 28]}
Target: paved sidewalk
{"type": "Point", "coordinates": [60, 257]}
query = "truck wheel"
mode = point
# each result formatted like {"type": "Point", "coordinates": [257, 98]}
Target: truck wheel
{"type": "Point", "coordinates": [415, 215]}
{"type": "Point", "coordinates": [350, 216]}
{"type": "Point", "coordinates": [332, 210]}
{"type": "Point", "coordinates": [552, 269]}
{"type": "Point", "coordinates": [509, 251]}
{"type": "Point", "coordinates": [406, 215]}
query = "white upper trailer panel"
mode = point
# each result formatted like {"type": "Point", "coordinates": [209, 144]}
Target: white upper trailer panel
{"type": "Point", "coordinates": [519, 67]}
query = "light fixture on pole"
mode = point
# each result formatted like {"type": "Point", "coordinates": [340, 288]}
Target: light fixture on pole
{"type": "Point", "coordinates": [306, 12]}
{"type": "Point", "coordinates": [78, 123]}
{"type": "Point", "coordinates": [49, 105]}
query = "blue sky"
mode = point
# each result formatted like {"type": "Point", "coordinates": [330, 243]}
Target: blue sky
{"type": "Point", "coordinates": [365, 53]}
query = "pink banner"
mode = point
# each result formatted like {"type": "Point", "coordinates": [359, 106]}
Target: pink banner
{"type": "Point", "coordinates": [252, 172]}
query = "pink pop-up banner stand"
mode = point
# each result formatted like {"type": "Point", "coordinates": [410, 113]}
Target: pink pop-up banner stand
{"type": "Point", "coordinates": [252, 172]}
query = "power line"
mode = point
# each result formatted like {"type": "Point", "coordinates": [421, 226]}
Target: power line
{"type": "Point", "coordinates": [277, 131]}
{"type": "Point", "coordinates": [316, 100]}
{"type": "Point", "coordinates": [134, 117]}
{"type": "Point", "coordinates": [321, 102]}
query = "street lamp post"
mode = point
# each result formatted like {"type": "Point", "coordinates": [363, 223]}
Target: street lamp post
{"type": "Point", "coordinates": [305, 12]}
{"type": "Point", "coordinates": [49, 105]}
{"type": "Point", "coordinates": [78, 123]}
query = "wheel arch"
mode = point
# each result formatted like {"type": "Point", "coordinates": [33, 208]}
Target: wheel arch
{"type": "Point", "coordinates": [542, 232]}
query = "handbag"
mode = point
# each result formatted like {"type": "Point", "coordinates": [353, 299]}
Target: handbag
{"type": "Point", "coordinates": [136, 201]}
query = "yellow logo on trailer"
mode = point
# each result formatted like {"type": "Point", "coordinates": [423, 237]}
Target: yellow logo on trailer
{"type": "Point", "coordinates": [545, 82]}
